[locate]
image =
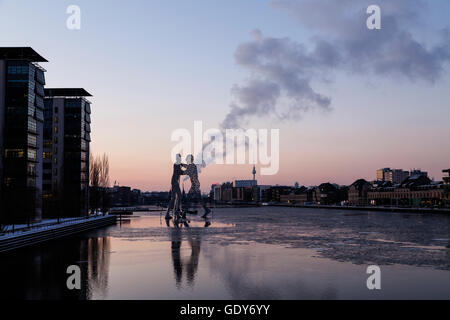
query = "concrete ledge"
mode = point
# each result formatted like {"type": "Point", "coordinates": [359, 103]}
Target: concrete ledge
{"type": "Point", "coordinates": [33, 237]}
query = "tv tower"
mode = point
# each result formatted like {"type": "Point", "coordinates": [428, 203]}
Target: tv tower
{"type": "Point", "coordinates": [254, 173]}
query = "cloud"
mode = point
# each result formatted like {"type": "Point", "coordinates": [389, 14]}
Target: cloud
{"type": "Point", "coordinates": [282, 71]}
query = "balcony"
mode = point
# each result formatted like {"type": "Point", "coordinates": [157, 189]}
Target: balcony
{"type": "Point", "coordinates": [39, 90]}
{"type": "Point", "coordinates": [40, 76]}
{"type": "Point", "coordinates": [40, 115]}
{"type": "Point", "coordinates": [39, 102]}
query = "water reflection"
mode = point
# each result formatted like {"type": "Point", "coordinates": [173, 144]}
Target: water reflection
{"type": "Point", "coordinates": [187, 265]}
{"type": "Point", "coordinates": [257, 253]}
{"type": "Point", "coordinates": [38, 273]}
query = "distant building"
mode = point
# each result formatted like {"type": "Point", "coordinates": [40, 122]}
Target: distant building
{"type": "Point", "coordinates": [381, 174]}
{"type": "Point", "coordinates": [244, 183]}
{"type": "Point", "coordinates": [224, 192]}
{"type": "Point", "coordinates": [447, 187]}
{"type": "Point", "coordinates": [418, 172]}
{"type": "Point", "coordinates": [121, 196]}
{"type": "Point", "coordinates": [395, 176]}
{"type": "Point", "coordinates": [22, 83]}
{"type": "Point", "coordinates": [327, 194]}
{"type": "Point", "coordinates": [299, 196]}
{"type": "Point", "coordinates": [67, 136]}
{"type": "Point", "coordinates": [274, 193]}
{"type": "Point", "coordinates": [357, 193]}
{"type": "Point", "coordinates": [416, 191]}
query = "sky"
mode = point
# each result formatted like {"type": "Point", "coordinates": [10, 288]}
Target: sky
{"type": "Point", "coordinates": [347, 100]}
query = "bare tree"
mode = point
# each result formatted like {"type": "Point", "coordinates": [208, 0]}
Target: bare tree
{"type": "Point", "coordinates": [104, 171]}
{"type": "Point", "coordinates": [99, 181]}
{"type": "Point", "coordinates": [94, 171]}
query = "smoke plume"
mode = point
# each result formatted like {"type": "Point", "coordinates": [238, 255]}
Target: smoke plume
{"type": "Point", "coordinates": [282, 72]}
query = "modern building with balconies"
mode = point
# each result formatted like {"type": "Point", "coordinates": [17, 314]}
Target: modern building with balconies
{"type": "Point", "coordinates": [66, 152]}
{"type": "Point", "coordinates": [22, 83]}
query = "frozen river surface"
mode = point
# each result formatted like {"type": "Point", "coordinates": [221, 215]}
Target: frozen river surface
{"type": "Point", "coordinates": [248, 253]}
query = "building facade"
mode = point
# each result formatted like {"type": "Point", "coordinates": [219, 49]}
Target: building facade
{"type": "Point", "coordinates": [416, 191]}
{"type": "Point", "coordinates": [244, 183]}
{"type": "Point", "coordinates": [381, 174]}
{"type": "Point", "coordinates": [66, 152]}
{"type": "Point", "coordinates": [22, 82]}
{"type": "Point", "coordinates": [299, 196]}
{"type": "Point", "coordinates": [395, 176]}
{"type": "Point", "coordinates": [446, 187]}
{"type": "Point", "coordinates": [357, 193]}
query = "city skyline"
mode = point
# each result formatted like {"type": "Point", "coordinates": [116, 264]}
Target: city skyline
{"type": "Point", "coordinates": [375, 119]}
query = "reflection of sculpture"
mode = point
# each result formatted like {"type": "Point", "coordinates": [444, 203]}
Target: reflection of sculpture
{"type": "Point", "coordinates": [182, 266]}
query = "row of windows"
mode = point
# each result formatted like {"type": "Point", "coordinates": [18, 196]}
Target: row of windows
{"type": "Point", "coordinates": [14, 153]}
{"type": "Point", "coordinates": [17, 69]}
{"type": "Point", "coordinates": [32, 125]}
{"type": "Point", "coordinates": [32, 140]}
{"type": "Point", "coordinates": [47, 155]}
{"type": "Point", "coordinates": [72, 104]}
{"type": "Point", "coordinates": [20, 153]}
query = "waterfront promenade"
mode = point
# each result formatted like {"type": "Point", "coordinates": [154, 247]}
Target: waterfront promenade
{"type": "Point", "coordinates": [19, 236]}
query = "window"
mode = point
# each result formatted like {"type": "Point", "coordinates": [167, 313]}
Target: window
{"type": "Point", "coordinates": [47, 155]}
{"type": "Point", "coordinates": [56, 129]}
{"type": "Point", "coordinates": [55, 160]}
{"type": "Point", "coordinates": [47, 144]}
{"type": "Point", "coordinates": [31, 169]}
{"type": "Point", "coordinates": [17, 69]}
{"type": "Point", "coordinates": [31, 154]}
{"type": "Point", "coordinates": [32, 141]}
{"type": "Point", "coordinates": [32, 125]}
{"type": "Point", "coordinates": [31, 111]}
{"type": "Point", "coordinates": [40, 115]}
{"type": "Point", "coordinates": [14, 153]}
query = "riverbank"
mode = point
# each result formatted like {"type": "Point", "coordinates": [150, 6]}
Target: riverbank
{"type": "Point", "coordinates": [23, 237]}
{"type": "Point", "coordinates": [370, 208]}
{"type": "Point", "coordinates": [335, 207]}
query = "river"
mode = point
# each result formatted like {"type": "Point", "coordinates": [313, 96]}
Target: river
{"type": "Point", "coordinates": [242, 253]}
